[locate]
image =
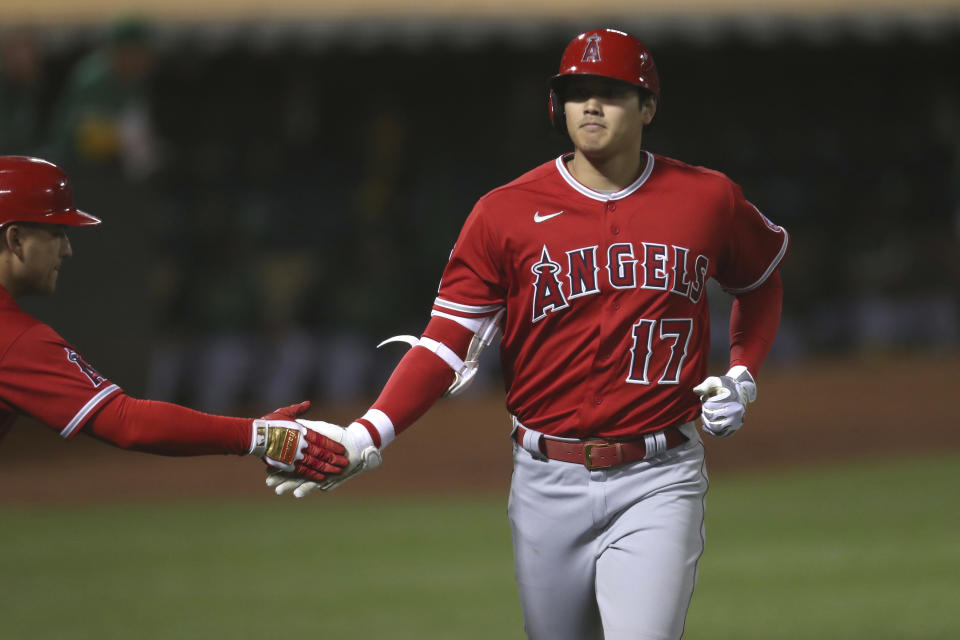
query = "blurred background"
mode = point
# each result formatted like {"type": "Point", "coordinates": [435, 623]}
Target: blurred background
{"type": "Point", "coordinates": [281, 183]}
{"type": "Point", "coordinates": [280, 186]}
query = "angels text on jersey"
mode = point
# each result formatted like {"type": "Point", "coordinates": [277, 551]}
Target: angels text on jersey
{"type": "Point", "coordinates": [625, 265]}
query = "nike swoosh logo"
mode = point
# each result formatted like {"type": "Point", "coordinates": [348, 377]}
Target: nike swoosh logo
{"type": "Point", "coordinates": [539, 218]}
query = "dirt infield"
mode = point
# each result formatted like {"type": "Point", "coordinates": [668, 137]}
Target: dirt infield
{"type": "Point", "coordinates": [817, 413]}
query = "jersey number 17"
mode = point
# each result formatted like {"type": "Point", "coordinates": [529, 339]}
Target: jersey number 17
{"type": "Point", "coordinates": [650, 336]}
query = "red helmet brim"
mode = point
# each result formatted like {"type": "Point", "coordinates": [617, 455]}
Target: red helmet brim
{"type": "Point", "coordinates": [70, 218]}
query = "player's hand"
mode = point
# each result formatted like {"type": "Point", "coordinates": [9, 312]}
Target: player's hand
{"type": "Point", "coordinates": [292, 447]}
{"type": "Point", "coordinates": [362, 454]}
{"type": "Point", "coordinates": [725, 399]}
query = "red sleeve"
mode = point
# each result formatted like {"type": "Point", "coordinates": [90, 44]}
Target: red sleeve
{"type": "Point", "coordinates": [44, 377]}
{"type": "Point", "coordinates": [755, 246]}
{"type": "Point", "coordinates": [419, 380]}
{"type": "Point", "coordinates": [753, 323]}
{"type": "Point", "coordinates": [168, 429]}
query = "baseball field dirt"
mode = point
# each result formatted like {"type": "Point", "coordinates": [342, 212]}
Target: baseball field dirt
{"type": "Point", "coordinates": [815, 413]}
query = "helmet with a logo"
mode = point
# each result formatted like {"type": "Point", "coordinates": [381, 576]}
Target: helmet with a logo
{"type": "Point", "coordinates": [607, 53]}
{"type": "Point", "coordinates": [34, 190]}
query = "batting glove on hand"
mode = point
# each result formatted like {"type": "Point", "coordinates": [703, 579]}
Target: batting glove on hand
{"type": "Point", "coordinates": [360, 450]}
{"type": "Point", "coordinates": [725, 399]}
{"type": "Point", "coordinates": [290, 446]}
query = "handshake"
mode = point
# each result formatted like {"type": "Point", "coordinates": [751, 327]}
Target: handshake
{"type": "Point", "coordinates": [303, 455]}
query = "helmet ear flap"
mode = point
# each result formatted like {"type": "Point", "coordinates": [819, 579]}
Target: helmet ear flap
{"type": "Point", "coordinates": [557, 116]}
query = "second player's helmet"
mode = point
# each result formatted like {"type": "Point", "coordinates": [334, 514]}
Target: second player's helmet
{"type": "Point", "coordinates": [607, 53]}
{"type": "Point", "coordinates": [34, 190]}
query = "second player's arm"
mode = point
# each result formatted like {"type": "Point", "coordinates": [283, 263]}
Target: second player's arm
{"type": "Point", "coordinates": [168, 429]}
{"type": "Point", "coordinates": [418, 381]}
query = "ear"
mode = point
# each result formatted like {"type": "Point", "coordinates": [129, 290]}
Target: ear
{"type": "Point", "coordinates": [12, 239]}
{"type": "Point", "coordinates": [648, 109]}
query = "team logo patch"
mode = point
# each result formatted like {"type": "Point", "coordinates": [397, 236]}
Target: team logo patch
{"type": "Point", "coordinates": [95, 378]}
{"type": "Point", "coordinates": [592, 52]}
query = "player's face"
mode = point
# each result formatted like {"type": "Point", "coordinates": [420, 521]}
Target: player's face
{"type": "Point", "coordinates": [604, 117]}
{"type": "Point", "coordinates": [43, 248]}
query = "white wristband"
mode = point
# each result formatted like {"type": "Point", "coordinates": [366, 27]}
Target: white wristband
{"type": "Point", "coordinates": [381, 422]}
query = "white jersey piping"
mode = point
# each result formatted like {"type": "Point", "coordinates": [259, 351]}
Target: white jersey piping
{"type": "Point", "coordinates": [770, 268]}
{"type": "Point", "coordinates": [81, 415]}
{"type": "Point", "coordinates": [605, 197]}
{"type": "Point", "coordinates": [466, 308]}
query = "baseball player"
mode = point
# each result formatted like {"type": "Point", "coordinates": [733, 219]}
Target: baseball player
{"type": "Point", "coordinates": [594, 267]}
{"type": "Point", "coordinates": [43, 376]}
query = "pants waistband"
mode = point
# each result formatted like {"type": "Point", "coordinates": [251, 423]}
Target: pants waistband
{"type": "Point", "coordinates": [600, 454]}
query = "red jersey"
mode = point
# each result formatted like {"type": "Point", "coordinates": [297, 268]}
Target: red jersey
{"type": "Point", "coordinates": [43, 376]}
{"type": "Point", "coordinates": [607, 327]}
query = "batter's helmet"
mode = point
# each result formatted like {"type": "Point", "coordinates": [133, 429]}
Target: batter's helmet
{"type": "Point", "coordinates": [607, 53]}
{"type": "Point", "coordinates": [34, 190]}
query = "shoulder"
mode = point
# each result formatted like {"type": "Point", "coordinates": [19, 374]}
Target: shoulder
{"type": "Point", "coordinates": [21, 329]}
{"type": "Point", "coordinates": [543, 178]}
{"type": "Point", "coordinates": [689, 175]}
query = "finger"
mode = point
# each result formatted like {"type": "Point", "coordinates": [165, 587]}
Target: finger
{"type": "Point", "coordinates": [287, 486]}
{"type": "Point", "coordinates": [300, 409]}
{"type": "Point", "coordinates": [274, 478]}
{"type": "Point", "coordinates": [326, 455]}
{"type": "Point", "coordinates": [310, 473]}
{"type": "Point", "coordinates": [718, 413]}
{"type": "Point", "coordinates": [715, 430]}
{"type": "Point", "coordinates": [724, 432]}
{"type": "Point", "coordinates": [321, 465]}
{"type": "Point", "coordinates": [323, 441]}
{"type": "Point", "coordinates": [708, 387]}
{"type": "Point", "coordinates": [716, 395]}
{"type": "Point", "coordinates": [305, 488]}
{"type": "Point", "coordinates": [292, 411]}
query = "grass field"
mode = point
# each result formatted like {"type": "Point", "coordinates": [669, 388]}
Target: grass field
{"type": "Point", "coordinates": [870, 551]}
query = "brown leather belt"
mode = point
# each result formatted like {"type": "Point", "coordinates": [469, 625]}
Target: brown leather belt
{"type": "Point", "coordinates": [601, 454]}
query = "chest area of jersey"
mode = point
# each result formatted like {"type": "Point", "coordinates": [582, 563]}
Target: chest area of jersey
{"type": "Point", "coordinates": [563, 256]}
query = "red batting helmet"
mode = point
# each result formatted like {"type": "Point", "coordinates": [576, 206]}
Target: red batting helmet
{"type": "Point", "coordinates": [607, 53]}
{"type": "Point", "coordinates": [34, 190]}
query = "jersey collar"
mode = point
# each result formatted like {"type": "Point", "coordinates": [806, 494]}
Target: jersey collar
{"type": "Point", "coordinates": [604, 197]}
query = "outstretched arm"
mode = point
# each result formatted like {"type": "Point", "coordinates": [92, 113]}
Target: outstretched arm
{"type": "Point", "coordinates": [418, 381]}
{"type": "Point", "coordinates": [168, 429]}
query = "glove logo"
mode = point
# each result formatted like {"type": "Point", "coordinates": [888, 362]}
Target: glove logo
{"type": "Point", "coordinates": [282, 445]}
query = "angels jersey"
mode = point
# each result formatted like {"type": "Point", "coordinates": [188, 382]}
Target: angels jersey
{"type": "Point", "coordinates": [606, 329]}
{"type": "Point", "coordinates": [43, 376]}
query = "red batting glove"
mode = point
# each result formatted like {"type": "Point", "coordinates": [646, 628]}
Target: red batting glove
{"type": "Point", "coordinates": [294, 448]}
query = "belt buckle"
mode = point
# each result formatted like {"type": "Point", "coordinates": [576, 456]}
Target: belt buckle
{"type": "Point", "coordinates": [588, 449]}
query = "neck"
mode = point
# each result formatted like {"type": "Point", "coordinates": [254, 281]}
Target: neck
{"type": "Point", "coordinates": [7, 281]}
{"type": "Point", "coordinates": [607, 174]}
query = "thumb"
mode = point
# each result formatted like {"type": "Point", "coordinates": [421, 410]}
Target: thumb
{"type": "Point", "coordinates": [708, 387]}
{"type": "Point", "coordinates": [293, 410]}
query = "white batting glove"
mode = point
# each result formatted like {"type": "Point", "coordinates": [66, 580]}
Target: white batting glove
{"type": "Point", "coordinates": [288, 446]}
{"type": "Point", "coordinates": [360, 451]}
{"type": "Point", "coordinates": [725, 399]}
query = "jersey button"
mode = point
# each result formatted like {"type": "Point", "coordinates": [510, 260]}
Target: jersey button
{"type": "Point", "coordinates": [611, 206]}
{"type": "Point", "coordinates": [597, 400]}
{"type": "Point", "coordinates": [616, 306]}
{"type": "Point", "coordinates": [615, 230]}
